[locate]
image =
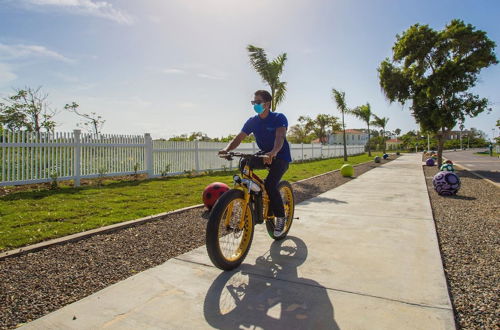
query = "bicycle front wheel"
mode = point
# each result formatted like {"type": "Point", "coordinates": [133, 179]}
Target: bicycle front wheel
{"type": "Point", "coordinates": [229, 230]}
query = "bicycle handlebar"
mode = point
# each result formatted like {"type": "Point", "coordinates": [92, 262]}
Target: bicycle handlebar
{"type": "Point", "coordinates": [231, 154]}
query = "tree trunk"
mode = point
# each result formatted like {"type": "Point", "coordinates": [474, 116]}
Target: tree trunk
{"type": "Point", "coordinates": [440, 137]}
{"type": "Point", "coordinates": [383, 140]}
{"type": "Point", "coordinates": [273, 105]}
{"type": "Point", "coordinates": [345, 146]}
{"type": "Point", "coordinates": [369, 151]}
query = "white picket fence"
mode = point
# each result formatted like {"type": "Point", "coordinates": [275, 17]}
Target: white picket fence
{"type": "Point", "coordinates": [42, 157]}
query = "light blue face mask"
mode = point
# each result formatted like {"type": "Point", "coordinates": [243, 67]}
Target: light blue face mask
{"type": "Point", "coordinates": [258, 108]}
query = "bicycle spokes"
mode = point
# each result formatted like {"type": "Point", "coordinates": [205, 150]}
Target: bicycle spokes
{"type": "Point", "coordinates": [235, 231]}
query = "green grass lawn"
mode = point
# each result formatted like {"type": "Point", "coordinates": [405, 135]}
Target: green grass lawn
{"type": "Point", "coordinates": [28, 217]}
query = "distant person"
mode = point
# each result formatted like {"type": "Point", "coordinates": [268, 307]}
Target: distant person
{"type": "Point", "coordinates": [491, 149]}
{"type": "Point", "coordinates": [269, 129]}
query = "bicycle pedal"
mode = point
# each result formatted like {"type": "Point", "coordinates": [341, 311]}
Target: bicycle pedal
{"type": "Point", "coordinates": [297, 218]}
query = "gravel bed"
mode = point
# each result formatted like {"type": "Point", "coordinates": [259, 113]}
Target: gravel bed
{"type": "Point", "coordinates": [38, 283]}
{"type": "Point", "coordinates": [468, 230]}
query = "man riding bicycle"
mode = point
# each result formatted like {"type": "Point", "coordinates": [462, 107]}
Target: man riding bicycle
{"type": "Point", "coordinates": [269, 129]}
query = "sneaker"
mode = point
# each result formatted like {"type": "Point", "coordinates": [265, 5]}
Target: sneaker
{"type": "Point", "coordinates": [280, 226]}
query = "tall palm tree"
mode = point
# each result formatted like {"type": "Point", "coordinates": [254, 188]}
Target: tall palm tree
{"type": "Point", "coordinates": [339, 98]}
{"type": "Point", "coordinates": [270, 72]}
{"type": "Point", "coordinates": [364, 112]}
{"type": "Point", "coordinates": [382, 123]}
{"type": "Point", "coordinates": [397, 131]}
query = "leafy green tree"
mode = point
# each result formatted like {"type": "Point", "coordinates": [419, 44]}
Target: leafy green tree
{"type": "Point", "coordinates": [230, 137]}
{"type": "Point", "coordinates": [194, 136]}
{"type": "Point", "coordinates": [270, 72]}
{"type": "Point", "coordinates": [299, 134]}
{"type": "Point", "coordinates": [319, 126]}
{"type": "Point", "coordinates": [27, 110]}
{"type": "Point", "coordinates": [339, 98]}
{"type": "Point", "coordinates": [182, 137]}
{"type": "Point", "coordinates": [435, 70]}
{"type": "Point", "coordinates": [364, 113]}
{"type": "Point", "coordinates": [397, 131]}
{"type": "Point", "coordinates": [382, 123]}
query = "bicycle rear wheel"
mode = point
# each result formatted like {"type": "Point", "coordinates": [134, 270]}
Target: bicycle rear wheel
{"type": "Point", "coordinates": [229, 235]}
{"type": "Point", "coordinates": [286, 192]}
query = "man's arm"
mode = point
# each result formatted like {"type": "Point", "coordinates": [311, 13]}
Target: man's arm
{"type": "Point", "coordinates": [234, 143]}
{"type": "Point", "coordinates": [278, 144]}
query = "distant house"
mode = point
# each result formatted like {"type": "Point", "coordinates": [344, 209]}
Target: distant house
{"type": "Point", "coordinates": [353, 136]}
{"type": "Point", "coordinates": [455, 135]}
{"type": "Point", "coordinates": [393, 144]}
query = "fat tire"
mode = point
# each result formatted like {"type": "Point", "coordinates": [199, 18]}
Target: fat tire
{"type": "Point", "coordinates": [212, 235]}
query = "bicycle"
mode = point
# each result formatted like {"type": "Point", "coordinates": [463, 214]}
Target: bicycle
{"type": "Point", "coordinates": [231, 222]}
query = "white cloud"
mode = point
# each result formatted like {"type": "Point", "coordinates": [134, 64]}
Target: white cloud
{"type": "Point", "coordinates": [11, 52]}
{"type": "Point", "coordinates": [212, 77]}
{"type": "Point", "coordinates": [6, 74]}
{"type": "Point", "coordinates": [173, 71]}
{"type": "Point", "coordinates": [87, 7]}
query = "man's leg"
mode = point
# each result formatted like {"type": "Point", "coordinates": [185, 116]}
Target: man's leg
{"type": "Point", "coordinates": [276, 171]}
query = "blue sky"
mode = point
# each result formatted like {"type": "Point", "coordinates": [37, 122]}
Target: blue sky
{"type": "Point", "coordinates": [177, 66]}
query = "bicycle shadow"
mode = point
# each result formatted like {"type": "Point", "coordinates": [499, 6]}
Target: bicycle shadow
{"type": "Point", "coordinates": [253, 297]}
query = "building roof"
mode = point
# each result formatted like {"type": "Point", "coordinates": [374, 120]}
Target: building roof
{"type": "Point", "coordinates": [394, 141]}
{"type": "Point", "coordinates": [351, 131]}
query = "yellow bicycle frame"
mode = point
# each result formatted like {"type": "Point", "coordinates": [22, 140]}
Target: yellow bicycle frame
{"type": "Point", "coordinates": [248, 174]}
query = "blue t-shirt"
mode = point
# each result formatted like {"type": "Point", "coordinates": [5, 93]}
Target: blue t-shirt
{"type": "Point", "coordinates": [264, 131]}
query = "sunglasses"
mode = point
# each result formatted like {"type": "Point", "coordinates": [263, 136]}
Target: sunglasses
{"type": "Point", "coordinates": [257, 102]}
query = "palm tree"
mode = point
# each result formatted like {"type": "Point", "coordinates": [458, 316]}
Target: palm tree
{"type": "Point", "coordinates": [269, 72]}
{"type": "Point", "coordinates": [382, 123]}
{"type": "Point", "coordinates": [397, 131]}
{"type": "Point", "coordinates": [339, 98]}
{"type": "Point", "coordinates": [364, 113]}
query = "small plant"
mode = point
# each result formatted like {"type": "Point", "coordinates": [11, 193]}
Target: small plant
{"type": "Point", "coordinates": [53, 177]}
{"type": "Point", "coordinates": [210, 172]}
{"type": "Point", "coordinates": [101, 172]}
{"type": "Point", "coordinates": [224, 168]}
{"type": "Point", "coordinates": [165, 170]}
{"type": "Point", "coordinates": [136, 169]}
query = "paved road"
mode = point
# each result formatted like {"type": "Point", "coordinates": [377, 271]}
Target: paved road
{"type": "Point", "coordinates": [364, 255]}
{"type": "Point", "coordinates": [486, 166]}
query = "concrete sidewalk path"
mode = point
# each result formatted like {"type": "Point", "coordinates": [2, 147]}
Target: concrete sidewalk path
{"type": "Point", "coordinates": [362, 256]}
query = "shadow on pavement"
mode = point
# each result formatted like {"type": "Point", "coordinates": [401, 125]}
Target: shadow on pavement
{"type": "Point", "coordinates": [254, 297]}
{"type": "Point", "coordinates": [323, 199]}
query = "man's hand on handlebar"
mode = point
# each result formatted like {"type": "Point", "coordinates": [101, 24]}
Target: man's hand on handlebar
{"type": "Point", "coordinates": [223, 153]}
{"type": "Point", "coordinates": [269, 159]}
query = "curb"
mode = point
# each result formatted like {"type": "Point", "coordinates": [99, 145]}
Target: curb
{"type": "Point", "coordinates": [114, 227]}
{"type": "Point", "coordinates": [329, 172]}
{"type": "Point", "coordinates": [88, 233]}
{"type": "Point", "coordinates": [476, 174]}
